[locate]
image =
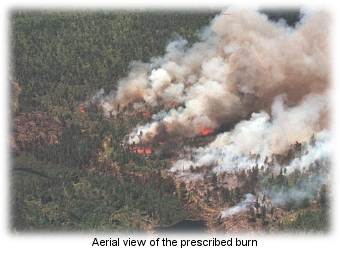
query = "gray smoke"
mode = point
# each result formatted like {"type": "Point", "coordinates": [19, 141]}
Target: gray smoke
{"type": "Point", "coordinates": [242, 64]}
{"type": "Point", "coordinates": [240, 207]}
{"type": "Point", "coordinates": [260, 85]}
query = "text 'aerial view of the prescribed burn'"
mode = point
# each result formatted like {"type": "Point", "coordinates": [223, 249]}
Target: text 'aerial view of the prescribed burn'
{"type": "Point", "coordinates": [212, 121]}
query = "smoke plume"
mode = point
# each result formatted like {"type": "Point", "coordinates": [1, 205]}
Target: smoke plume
{"type": "Point", "coordinates": [237, 72]}
{"type": "Point", "coordinates": [240, 207]}
{"type": "Point", "coordinates": [258, 86]}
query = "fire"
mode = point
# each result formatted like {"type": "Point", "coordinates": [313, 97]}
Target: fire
{"type": "Point", "coordinates": [146, 114]}
{"type": "Point", "coordinates": [141, 150]}
{"type": "Point", "coordinates": [206, 131]}
{"type": "Point", "coordinates": [82, 109]}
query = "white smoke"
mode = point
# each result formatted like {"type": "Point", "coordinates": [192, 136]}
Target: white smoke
{"type": "Point", "coordinates": [322, 150]}
{"type": "Point", "coordinates": [240, 207]}
{"type": "Point", "coordinates": [241, 67]}
{"type": "Point", "coordinates": [261, 85]}
{"type": "Point", "coordinates": [265, 134]}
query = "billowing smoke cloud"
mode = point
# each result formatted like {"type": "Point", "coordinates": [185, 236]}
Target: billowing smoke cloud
{"type": "Point", "coordinates": [241, 65]}
{"type": "Point", "coordinates": [259, 85]}
{"type": "Point", "coordinates": [264, 83]}
{"type": "Point", "coordinates": [265, 134]}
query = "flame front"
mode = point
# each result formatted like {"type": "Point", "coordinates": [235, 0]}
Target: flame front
{"type": "Point", "coordinates": [206, 131]}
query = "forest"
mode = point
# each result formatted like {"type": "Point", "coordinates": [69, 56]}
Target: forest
{"type": "Point", "coordinates": [58, 60]}
{"type": "Point", "coordinates": [72, 167]}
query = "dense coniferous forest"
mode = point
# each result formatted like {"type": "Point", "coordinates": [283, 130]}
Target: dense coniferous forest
{"type": "Point", "coordinates": [70, 171]}
{"type": "Point", "coordinates": [58, 60]}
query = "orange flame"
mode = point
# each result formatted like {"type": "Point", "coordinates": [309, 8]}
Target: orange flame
{"type": "Point", "coordinates": [206, 131]}
{"type": "Point", "coordinates": [82, 109]}
{"type": "Point", "coordinates": [146, 114]}
{"type": "Point", "coordinates": [141, 150]}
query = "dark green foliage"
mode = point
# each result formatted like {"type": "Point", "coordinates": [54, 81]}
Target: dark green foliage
{"type": "Point", "coordinates": [225, 195]}
{"type": "Point", "coordinates": [71, 151]}
{"type": "Point", "coordinates": [182, 192]}
{"type": "Point", "coordinates": [89, 180]}
{"type": "Point", "coordinates": [59, 59]}
{"type": "Point", "coordinates": [310, 221]}
{"type": "Point", "coordinates": [323, 199]}
{"type": "Point", "coordinates": [89, 48]}
{"type": "Point", "coordinates": [70, 199]}
{"type": "Point", "coordinates": [214, 179]}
